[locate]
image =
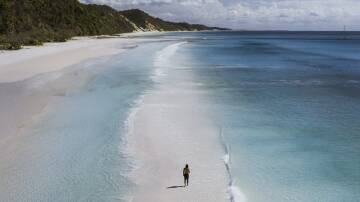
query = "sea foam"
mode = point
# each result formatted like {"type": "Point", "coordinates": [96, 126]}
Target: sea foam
{"type": "Point", "coordinates": [162, 60]}
{"type": "Point", "coordinates": [236, 195]}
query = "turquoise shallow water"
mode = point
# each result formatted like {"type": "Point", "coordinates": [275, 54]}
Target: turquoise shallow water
{"type": "Point", "coordinates": [289, 108]}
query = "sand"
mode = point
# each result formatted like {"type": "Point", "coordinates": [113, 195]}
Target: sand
{"type": "Point", "coordinates": [30, 61]}
{"type": "Point", "coordinates": [169, 129]}
{"type": "Point", "coordinates": [164, 139]}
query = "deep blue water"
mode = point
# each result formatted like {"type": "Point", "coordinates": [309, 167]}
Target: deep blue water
{"type": "Point", "coordinates": [289, 107]}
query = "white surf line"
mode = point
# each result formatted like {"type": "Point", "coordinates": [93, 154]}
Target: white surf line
{"type": "Point", "coordinates": [125, 145]}
{"type": "Point", "coordinates": [162, 60]}
{"type": "Point", "coordinates": [236, 195]}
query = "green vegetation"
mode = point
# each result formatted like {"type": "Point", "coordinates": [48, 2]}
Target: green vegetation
{"type": "Point", "coordinates": [10, 46]}
{"type": "Point", "coordinates": [33, 22]}
{"type": "Point", "coordinates": [147, 23]}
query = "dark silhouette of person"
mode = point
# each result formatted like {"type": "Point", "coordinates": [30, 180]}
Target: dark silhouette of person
{"type": "Point", "coordinates": [186, 174]}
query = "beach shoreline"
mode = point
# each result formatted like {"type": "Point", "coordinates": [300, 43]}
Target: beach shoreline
{"type": "Point", "coordinates": [31, 61]}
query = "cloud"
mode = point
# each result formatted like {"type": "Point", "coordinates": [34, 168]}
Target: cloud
{"type": "Point", "coordinates": [252, 14]}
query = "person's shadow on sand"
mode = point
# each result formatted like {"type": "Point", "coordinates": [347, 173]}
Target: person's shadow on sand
{"type": "Point", "coordinates": [176, 186]}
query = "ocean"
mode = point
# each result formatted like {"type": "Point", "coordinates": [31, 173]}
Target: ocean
{"type": "Point", "coordinates": [286, 107]}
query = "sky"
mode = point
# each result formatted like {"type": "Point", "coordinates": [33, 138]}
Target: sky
{"type": "Point", "coordinates": [252, 14]}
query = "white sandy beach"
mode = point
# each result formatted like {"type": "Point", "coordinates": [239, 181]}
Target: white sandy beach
{"type": "Point", "coordinates": [170, 129]}
{"type": "Point", "coordinates": [166, 131]}
{"type": "Point", "coordinates": [31, 61]}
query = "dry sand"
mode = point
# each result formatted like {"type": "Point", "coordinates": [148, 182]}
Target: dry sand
{"type": "Point", "coordinates": [164, 139]}
{"type": "Point", "coordinates": [31, 61]}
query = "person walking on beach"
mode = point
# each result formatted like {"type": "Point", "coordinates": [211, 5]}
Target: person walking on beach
{"type": "Point", "coordinates": [186, 173]}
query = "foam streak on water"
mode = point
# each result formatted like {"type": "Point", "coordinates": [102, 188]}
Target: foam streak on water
{"type": "Point", "coordinates": [162, 60]}
{"type": "Point", "coordinates": [236, 195]}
